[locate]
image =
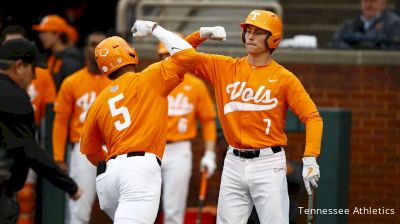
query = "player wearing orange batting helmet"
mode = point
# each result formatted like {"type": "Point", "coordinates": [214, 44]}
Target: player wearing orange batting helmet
{"type": "Point", "coordinates": [189, 101]}
{"type": "Point", "coordinates": [253, 94]}
{"type": "Point", "coordinates": [129, 118]}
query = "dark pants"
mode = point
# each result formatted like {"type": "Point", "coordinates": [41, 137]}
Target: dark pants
{"type": "Point", "coordinates": [9, 210]}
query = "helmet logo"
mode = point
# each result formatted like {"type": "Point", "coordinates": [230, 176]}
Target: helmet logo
{"type": "Point", "coordinates": [104, 52]}
{"type": "Point", "coordinates": [119, 60]}
{"type": "Point", "coordinates": [104, 68]}
{"type": "Point", "coordinates": [254, 15]}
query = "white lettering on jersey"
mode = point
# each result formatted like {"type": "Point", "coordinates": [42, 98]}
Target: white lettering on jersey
{"type": "Point", "coordinates": [179, 105]}
{"type": "Point", "coordinates": [85, 102]}
{"type": "Point", "coordinates": [248, 95]}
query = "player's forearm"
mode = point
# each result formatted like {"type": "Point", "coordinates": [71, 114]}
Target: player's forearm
{"type": "Point", "coordinates": [60, 135]}
{"type": "Point", "coordinates": [314, 128]}
{"type": "Point", "coordinates": [209, 129]}
{"type": "Point", "coordinates": [172, 42]}
{"type": "Point", "coordinates": [45, 167]}
{"type": "Point", "coordinates": [194, 39]}
{"type": "Point", "coordinates": [209, 146]}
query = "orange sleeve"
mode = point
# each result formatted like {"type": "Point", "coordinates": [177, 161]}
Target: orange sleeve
{"type": "Point", "coordinates": [206, 113]}
{"type": "Point", "coordinates": [303, 106]}
{"type": "Point", "coordinates": [91, 139]}
{"type": "Point", "coordinates": [174, 68]}
{"type": "Point", "coordinates": [194, 39]}
{"type": "Point", "coordinates": [207, 66]}
{"type": "Point", "coordinates": [63, 110]}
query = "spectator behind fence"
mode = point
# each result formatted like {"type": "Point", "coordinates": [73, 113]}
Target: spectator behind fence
{"type": "Point", "coordinates": [375, 28]}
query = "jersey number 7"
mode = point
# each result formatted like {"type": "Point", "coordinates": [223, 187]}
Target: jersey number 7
{"type": "Point", "coordinates": [117, 111]}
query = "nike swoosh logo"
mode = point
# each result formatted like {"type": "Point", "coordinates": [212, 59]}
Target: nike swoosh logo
{"type": "Point", "coordinates": [309, 171]}
{"type": "Point", "coordinates": [272, 80]}
{"type": "Point", "coordinates": [175, 48]}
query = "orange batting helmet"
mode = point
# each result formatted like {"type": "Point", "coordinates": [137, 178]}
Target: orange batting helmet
{"type": "Point", "coordinates": [265, 20]}
{"type": "Point", "coordinates": [113, 53]}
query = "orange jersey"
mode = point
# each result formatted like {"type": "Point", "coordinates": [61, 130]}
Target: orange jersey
{"type": "Point", "coordinates": [189, 100]}
{"type": "Point", "coordinates": [42, 92]}
{"type": "Point", "coordinates": [131, 114]}
{"type": "Point", "coordinates": [78, 92]}
{"type": "Point", "coordinates": [252, 102]}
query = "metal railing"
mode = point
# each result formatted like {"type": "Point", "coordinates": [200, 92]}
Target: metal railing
{"type": "Point", "coordinates": [188, 16]}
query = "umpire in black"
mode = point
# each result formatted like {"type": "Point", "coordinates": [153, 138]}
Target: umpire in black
{"type": "Point", "coordinates": [18, 146]}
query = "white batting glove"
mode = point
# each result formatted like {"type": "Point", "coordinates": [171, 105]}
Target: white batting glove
{"type": "Point", "coordinates": [208, 162]}
{"type": "Point", "coordinates": [213, 33]}
{"type": "Point", "coordinates": [142, 28]}
{"type": "Point", "coordinates": [310, 173]}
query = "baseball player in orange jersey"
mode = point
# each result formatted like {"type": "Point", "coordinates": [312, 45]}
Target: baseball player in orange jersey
{"type": "Point", "coordinates": [42, 92]}
{"type": "Point", "coordinates": [77, 94]}
{"type": "Point", "coordinates": [129, 117]}
{"type": "Point", "coordinates": [188, 101]}
{"type": "Point", "coordinates": [253, 94]}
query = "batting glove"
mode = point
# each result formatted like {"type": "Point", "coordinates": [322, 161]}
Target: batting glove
{"type": "Point", "coordinates": [208, 162]}
{"type": "Point", "coordinates": [143, 28]}
{"type": "Point", "coordinates": [310, 173]}
{"type": "Point", "coordinates": [213, 33]}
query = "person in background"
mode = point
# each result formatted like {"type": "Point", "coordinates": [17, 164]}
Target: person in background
{"type": "Point", "coordinates": [12, 32]}
{"type": "Point", "coordinates": [64, 59]}
{"type": "Point", "coordinates": [187, 102]}
{"type": "Point", "coordinates": [18, 58]}
{"type": "Point", "coordinates": [76, 96]}
{"type": "Point", "coordinates": [40, 92]}
{"type": "Point", "coordinates": [375, 28]}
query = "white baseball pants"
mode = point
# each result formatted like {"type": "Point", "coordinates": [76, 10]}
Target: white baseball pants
{"type": "Point", "coordinates": [176, 171]}
{"type": "Point", "coordinates": [129, 191]}
{"type": "Point", "coordinates": [260, 181]}
{"type": "Point", "coordinates": [84, 174]}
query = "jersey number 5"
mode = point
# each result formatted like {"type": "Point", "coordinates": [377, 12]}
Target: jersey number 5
{"type": "Point", "coordinates": [121, 110]}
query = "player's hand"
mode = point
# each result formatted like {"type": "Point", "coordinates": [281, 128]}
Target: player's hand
{"type": "Point", "coordinates": [77, 194]}
{"type": "Point", "coordinates": [143, 28]}
{"type": "Point", "coordinates": [63, 166]}
{"type": "Point", "coordinates": [213, 33]}
{"type": "Point", "coordinates": [208, 162]}
{"type": "Point", "coordinates": [310, 173]}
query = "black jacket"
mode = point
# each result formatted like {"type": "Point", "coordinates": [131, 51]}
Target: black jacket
{"type": "Point", "coordinates": [17, 138]}
{"type": "Point", "coordinates": [384, 33]}
{"type": "Point", "coordinates": [71, 61]}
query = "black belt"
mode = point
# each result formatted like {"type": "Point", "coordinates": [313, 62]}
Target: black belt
{"type": "Point", "coordinates": [254, 153]}
{"type": "Point", "coordinates": [130, 154]}
{"type": "Point", "coordinates": [170, 142]}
